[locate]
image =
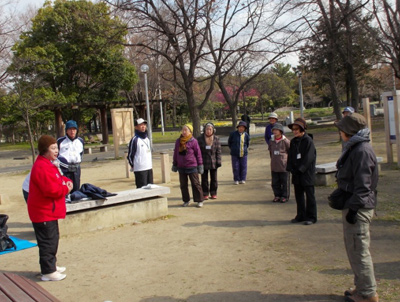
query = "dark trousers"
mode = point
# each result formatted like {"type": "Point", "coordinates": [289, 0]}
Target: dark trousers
{"type": "Point", "coordinates": [280, 184]}
{"type": "Point", "coordinates": [47, 237]}
{"type": "Point", "coordinates": [239, 167]}
{"type": "Point", "coordinates": [75, 177]}
{"type": "Point", "coordinates": [212, 187]}
{"type": "Point", "coordinates": [196, 187]}
{"type": "Point", "coordinates": [306, 208]}
{"type": "Point", "coordinates": [143, 178]}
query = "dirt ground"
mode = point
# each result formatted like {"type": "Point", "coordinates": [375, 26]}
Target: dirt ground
{"type": "Point", "coordinates": [240, 247]}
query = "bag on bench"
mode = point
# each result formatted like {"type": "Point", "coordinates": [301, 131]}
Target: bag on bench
{"type": "Point", "coordinates": [5, 241]}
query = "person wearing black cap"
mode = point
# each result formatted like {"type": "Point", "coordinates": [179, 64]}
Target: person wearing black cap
{"type": "Point", "coordinates": [301, 163]}
{"type": "Point", "coordinates": [358, 175]}
{"type": "Point", "coordinates": [46, 204]}
{"type": "Point", "coordinates": [71, 148]}
{"type": "Point", "coordinates": [238, 143]}
{"type": "Point", "coordinates": [139, 155]}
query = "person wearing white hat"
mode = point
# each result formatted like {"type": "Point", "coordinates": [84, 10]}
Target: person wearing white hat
{"type": "Point", "coordinates": [272, 118]}
{"type": "Point", "coordinates": [139, 155]}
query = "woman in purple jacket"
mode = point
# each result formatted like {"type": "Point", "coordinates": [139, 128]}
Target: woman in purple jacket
{"type": "Point", "coordinates": [188, 162]}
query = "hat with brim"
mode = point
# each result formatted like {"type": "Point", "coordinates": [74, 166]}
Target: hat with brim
{"type": "Point", "coordinates": [242, 123]}
{"type": "Point", "coordinates": [351, 124]}
{"type": "Point", "coordinates": [279, 127]}
{"type": "Point", "coordinates": [272, 115]}
{"type": "Point", "coordinates": [348, 109]}
{"type": "Point", "coordinates": [140, 121]}
{"type": "Point", "coordinates": [299, 122]}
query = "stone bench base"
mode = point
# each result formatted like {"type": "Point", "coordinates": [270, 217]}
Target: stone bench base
{"type": "Point", "coordinates": [88, 150]}
{"type": "Point", "coordinates": [113, 215]}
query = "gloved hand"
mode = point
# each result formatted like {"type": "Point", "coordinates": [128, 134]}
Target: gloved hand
{"type": "Point", "coordinates": [200, 169]}
{"type": "Point", "coordinates": [218, 165]}
{"type": "Point", "coordinates": [351, 216]}
{"type": "Point", "coordinates": [174, 168]}
{"type": "Point", "coordinates": [131, 169]}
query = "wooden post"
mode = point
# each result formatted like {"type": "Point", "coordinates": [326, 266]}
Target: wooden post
{"type": "Point", "coordinates": [127, 168]}
{"type": "Point", "coordinates": [367, 115]}
{"type": "Point", "coordinates": [165, 168]}
{"type": "Point", "coordinates": [58, 123]}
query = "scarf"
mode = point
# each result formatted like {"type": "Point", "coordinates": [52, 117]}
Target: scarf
{"type": "Point", "coordinates": [140, 134]}
{"type": "Point", "coordinates": [182, 142]}
{"type": "Point", "coordinates": [209, 139]}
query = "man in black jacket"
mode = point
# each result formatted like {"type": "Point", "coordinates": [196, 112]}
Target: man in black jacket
{"type": "Point", "coordinates": [358, 175]}
{"type": "Point", "coordinates": [301, 163]}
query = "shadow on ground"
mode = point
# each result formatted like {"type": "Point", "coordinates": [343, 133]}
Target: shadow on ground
{"type": "Point", "coordinates": [248, 296]}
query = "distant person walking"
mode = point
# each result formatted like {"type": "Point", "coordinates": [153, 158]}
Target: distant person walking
{"type": "Point", "coordinates": [272, 118]}
{"type": "Point", "coordinates": [358, 175]}
{"type": "Point", "coordinates": [247, 119]}
{"type": "Point", "coordinates": [278, 150]}
{"type": "Point", "coordinates": [301, 163]}
{"type": "Point", "coordinates": [210, 147]}
{"type": "Point", "coordinates": [188, 161]}
{"type": "Point", "coordinates": [71, 148]}
{"type": "Point", "coordinates": [238, 143]}
{"type": "Point", "coordinates": [139, 155]}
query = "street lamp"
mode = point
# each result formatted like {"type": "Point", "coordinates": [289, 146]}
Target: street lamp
{"type": "Point", "coordinates": [299, 74]}
{"type": "Point", "coordinates": [145, 69]}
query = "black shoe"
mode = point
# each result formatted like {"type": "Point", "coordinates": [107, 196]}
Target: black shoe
{"type": "Point", "coordinates": [308, 222]}
{"type": "Point", "coordinates": [295, 220]}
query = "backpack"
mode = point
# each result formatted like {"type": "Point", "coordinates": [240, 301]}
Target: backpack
{"type": "Point", "coordinates": [5, 241]}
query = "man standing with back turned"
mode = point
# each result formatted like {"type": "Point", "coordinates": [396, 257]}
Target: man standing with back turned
{"type": "Point", "coordinates": [70, 147]}
{"type": "Point", "coordinates": [139, 155]}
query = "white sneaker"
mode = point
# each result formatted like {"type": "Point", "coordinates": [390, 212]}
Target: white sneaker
{"type": "Point", "coordinates": [200, 204]}
{"type": "Point", "coordinates": [236, 182]}
{"type": "Point", "coordinates": [56, 276]}
{"type": "Point", "coordinates": [242, 182]}
{"type": "Point", "coordinates": [61, 269]}
{"type": "Point", "coordinates": [185, 204]}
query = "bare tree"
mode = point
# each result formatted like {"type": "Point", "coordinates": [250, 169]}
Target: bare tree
{"type": "Point", "coordinates": [387, 33]}
{"type": "Point", "coordinates": [251, 36]}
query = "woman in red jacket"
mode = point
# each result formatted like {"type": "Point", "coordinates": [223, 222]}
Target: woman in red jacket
{"type": "Point", "coordinates": [46, 204]}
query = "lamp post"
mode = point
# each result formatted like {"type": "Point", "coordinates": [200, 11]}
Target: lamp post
{"type": "Point", "coordinates": [145, 69]}
{"type": "Point", "coordinates": [299, 74]}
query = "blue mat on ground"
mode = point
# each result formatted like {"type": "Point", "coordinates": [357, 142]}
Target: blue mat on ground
{"type": "Point", "coordinates": [21, 245]}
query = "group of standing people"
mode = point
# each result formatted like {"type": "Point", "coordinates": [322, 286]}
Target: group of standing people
{"type": "Point", "coordinates": [357, 176]}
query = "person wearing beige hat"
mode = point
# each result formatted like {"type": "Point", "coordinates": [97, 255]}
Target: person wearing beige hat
{"type": "Point", "coordinates": [272, 118]}
{"type": "Point", "coordinates": [188, 161]}
{"type": "Point", "coordinates": [358, 175]}
{"type": "Point", "coordinates": [301, 164]}
{"type": "Point", "coordinates": [46, 204]}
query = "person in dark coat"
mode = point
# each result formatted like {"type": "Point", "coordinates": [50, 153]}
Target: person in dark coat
{"type": "Point", "coordinates": [210, 147]}
{"type": "Point", "coordinates": [238, 143]}
{"type": "Point", "coordinates": [358, 174]}
{"type": "Point", "coordinates": [301, 164]}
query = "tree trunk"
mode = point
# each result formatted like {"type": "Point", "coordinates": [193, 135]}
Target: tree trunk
{"type": "Point", "coordinates": [58, 123]}
{"type": "Point", "coordinates": [104, 125]}
{"type": "Point", "coordinates": [30, 137]}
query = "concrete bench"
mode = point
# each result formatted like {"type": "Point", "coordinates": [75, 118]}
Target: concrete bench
{"type": "Point", "coordinates": [326, 173]}
{"type": "Point", "coordinates": [18, 288]}
{"type": "Point", "coordinates": [126, 207]}
{"type": "Point", "coordinates": [102, 148]}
